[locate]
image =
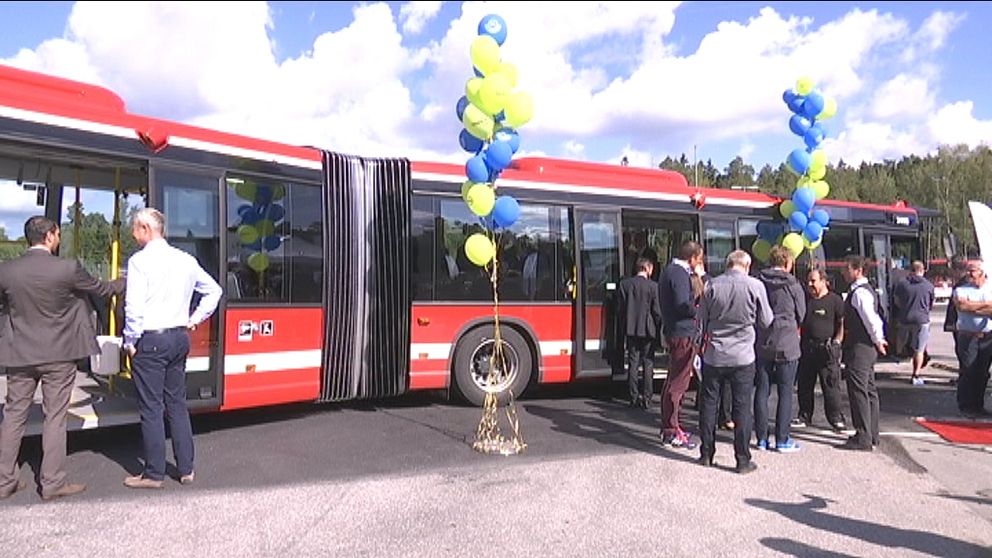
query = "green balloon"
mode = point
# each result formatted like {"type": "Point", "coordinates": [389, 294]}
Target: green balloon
{"type": "Point", "coordinates": [258, 261]}
{"type": "Point", "coordinates": [278, 192]}
{"type": "Point", "coordinates": [786, 209]}
{"type": "Point", "coordinates": [247, 234]}
{"type": "Point", "coordinates": [481, 199]}
{"type": "Point", "coordinates": [265, 227]}
{"type": "Point", "coordinates": [761, 249]}
{"type": "Point", "coordinates": [479, 249]}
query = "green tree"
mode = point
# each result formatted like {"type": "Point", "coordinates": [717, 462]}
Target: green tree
{"type": "Point", "coordinates": [10, 248]}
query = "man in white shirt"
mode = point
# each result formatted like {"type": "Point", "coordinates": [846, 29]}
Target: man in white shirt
{"type": "Point", "coordinates": [864, 340]}
{"type": "Point", "coordinates": [161, 281]}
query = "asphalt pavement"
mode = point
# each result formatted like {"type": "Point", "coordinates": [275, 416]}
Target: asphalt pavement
{"type": "Point", "coordinates": [399, 478]}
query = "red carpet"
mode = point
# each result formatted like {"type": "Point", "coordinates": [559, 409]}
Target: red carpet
{"type": "Point", "coordinates": [960, 431]}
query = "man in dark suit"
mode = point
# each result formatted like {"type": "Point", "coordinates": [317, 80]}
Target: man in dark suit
{"type": "Point", "coordinates": [46, 328]}
{"type": "Point", "coordinates": [641, 311]}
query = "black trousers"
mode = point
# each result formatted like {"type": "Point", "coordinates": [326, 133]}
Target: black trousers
{"type": "Point", "coordinates": [640, 354]}
{"type": "Point", "coordinates": [974, 358]}
{"type": "Point", "coordinates": [820, 360]}
{"type": "Point", "coordinates": [741, 380]}
{"type": "Point", "coordinates": [860, 360]}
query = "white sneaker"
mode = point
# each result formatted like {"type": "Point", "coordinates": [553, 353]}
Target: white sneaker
{"type": "Point", "coordinates": [918, 382]}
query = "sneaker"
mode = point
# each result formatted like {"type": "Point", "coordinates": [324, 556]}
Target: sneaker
{"type": "Point", "coordinates": [789, 446]}
{"type": "Point", "coordinates": [798, 422]}
{"type": "Point", "coordinates": [838, 426]}
{"type": "Point", "coordinates": [762, 445]}
{"type": "Point", "coordinates": [918, 381]}
{"type": "Point", "coordinates": [683, 440]}
{"type": "Point", "coordinates": [187, 479]}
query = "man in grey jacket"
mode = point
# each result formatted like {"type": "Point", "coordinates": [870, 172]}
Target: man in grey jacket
{"type": "Point", "coordinates": [733, 305]}
{"type": "Point", "coordinates": [778, 350]}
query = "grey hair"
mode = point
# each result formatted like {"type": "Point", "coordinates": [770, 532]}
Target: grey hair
{"type": "Point", "coordinates": [152, 218]}
{"type": "Point", "coordinates": [739, 258]}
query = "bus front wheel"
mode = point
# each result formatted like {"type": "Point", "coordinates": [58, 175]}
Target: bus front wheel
{"type": "Point", "coordinates": [479, 367]}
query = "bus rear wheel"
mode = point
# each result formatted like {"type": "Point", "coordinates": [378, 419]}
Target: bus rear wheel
{"type": "Point", "coordinates": [475, 366]}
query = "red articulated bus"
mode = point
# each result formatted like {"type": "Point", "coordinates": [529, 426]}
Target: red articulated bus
{"type": "Point", "coordinates": [345, 277]}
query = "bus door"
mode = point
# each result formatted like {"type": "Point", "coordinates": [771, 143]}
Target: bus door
{"type": "Point", "coordinates": [598, 351]}
{"type": "Point", "coordinates": [882, 273]}
{"type": "Point", "coordinates": [192, 207]}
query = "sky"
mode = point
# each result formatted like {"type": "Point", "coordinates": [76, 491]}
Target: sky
{"type": "Point", "coordinates": [643, 80]}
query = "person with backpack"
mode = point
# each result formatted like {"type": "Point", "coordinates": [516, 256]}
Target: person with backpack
{"type": "Point", "coordinates": [864, 340]}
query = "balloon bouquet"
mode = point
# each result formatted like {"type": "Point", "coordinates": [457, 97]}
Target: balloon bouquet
{"type": "Point", "coordinates": [257, 227]}
{"type": "Point", "coordinates": [804, 223]}
{"type": "Point", "coordinates": [491, 111]}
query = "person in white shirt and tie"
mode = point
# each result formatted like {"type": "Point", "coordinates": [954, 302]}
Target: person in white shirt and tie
{"type": "Point", "coordinates": [161, 281]}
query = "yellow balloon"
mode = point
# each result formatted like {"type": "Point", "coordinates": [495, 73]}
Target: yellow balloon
{"type": "Point", "coordinates": [472, 88]}
{"type": "Point", "coordinates": [465, 187]}
{"type": "Point", "coordinates": [817, 173]}
{"type": "Point", "coordinates": [761, 249]}
{"type": "Point", "coordinates": [519, 109]}
{"type": "Point", "coordinates": [821, 189]}
{"type": "Point", "coordinates": [258, 261]}
{"type": "Point", "coordinates": [829, 109]}
{"type": "Point", "coordinates": [480, 199]}
{"type": "Point", "coordinates": [493, 94]}
{"type": "Point", "coordinates": [247, 234]}
{"type": "Point", "coordinates": [794, 243]}
{"type": "Point", "coordinates": [485, 54]}
{"type": "Point", "coordinates": [246, 190]}
{"type": "Point", "coordinates": [478, 123]}
{"type": "Point", "coordinates": [804, 85]}
{"type": "Point", "coordinates": [479, 249]}
{"type": "Point", "coordinates": [510, 72]}
{"type": "Point", "coordinates": [787, 208]}
{"type": "Point", "coordinates": [278, 192]}
{"type": "Point", "coordinates": [818, 158]}
{"type": "Point", "coordinates": [812, 245]}
{"type": "Point", "coordinates": [265, 227]}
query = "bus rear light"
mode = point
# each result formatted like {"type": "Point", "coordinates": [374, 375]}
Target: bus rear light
{"type": "Point", "coordinates": [422, 356]}
{"type": "Point", "coordinates": [250, 368]}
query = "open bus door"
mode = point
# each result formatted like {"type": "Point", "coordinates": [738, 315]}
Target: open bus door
{"type": "Point", "coordinates": [192, 207]}
{"type": "Point", "coordinates": [598, 352]}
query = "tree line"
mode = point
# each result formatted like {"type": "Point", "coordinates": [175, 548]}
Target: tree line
{"type": "Point", "coordinates": [944, 181]}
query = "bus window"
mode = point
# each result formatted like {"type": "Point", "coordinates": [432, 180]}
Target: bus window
{"type": "Point", "coordinates": [423, 249]}
{"type": "Point", "coordinates": [747, 233]}
{"type": "Point", "coordinates": [274, 241]}
{"type": "Point", "coordinates": [718, 243]}
{"type": "Point", "coordinates": [838, 243]}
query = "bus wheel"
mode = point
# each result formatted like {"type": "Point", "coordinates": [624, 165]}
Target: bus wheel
{"type": "Point", "coordinates": [474, 363]}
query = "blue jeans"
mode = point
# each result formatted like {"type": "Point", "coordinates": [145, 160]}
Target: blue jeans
{"type": "Point", "coordinates": [783, 376]}
{"type": "Point", "coordinates": [159, 370]}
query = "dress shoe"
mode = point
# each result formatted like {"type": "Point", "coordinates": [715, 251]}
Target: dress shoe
{"type": "Point", "coordinates": [852, 445]}
{"type": "Point", "coordinates": [187, 479]}
{"type": "Point", "coordinates": [705, 460]}
{"type": "Point", "coordinates": [745, 468]}
{"type": "Point", "coordinates": [67, 489]}
{"type": "Point", "coordinates": [139, 481]}
{"type": "Point", "coordinates": [19, 486]}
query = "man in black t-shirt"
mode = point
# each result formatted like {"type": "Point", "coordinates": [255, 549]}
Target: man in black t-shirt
{"type": "Point", "coordinates": [822, 334]}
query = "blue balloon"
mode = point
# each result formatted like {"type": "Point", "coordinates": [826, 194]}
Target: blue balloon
{"type": "Point", "coordinates": [254, 246]}
{"type": "Point", "coordinates": [798, 220]}
{"type": "Point", "coordinates": [249, 215]}
{"type": "Point", "coordinates": [796, 104]}
{"type": "Point", "coordinates": [799, 124]}
{"type": "Point", "coordinates": [460, 107]}
{"type": "Point", "coordinates": [469, 142]}
{"type": "Point", "coordinates": [270, 243]}
{"type": "Point", "coordinates": [799, 161]}
{"type": "Point", "coordinates": [804, 199]}
{"type": "Point", "coordinates": [813, 104]}
{"type": "Point", "coordinates": [506, 211]}
{"type": "Point", "coordinates": [767, 230]}
{"type": "Point", "coordinates": [476, 169]}
{"type": "Point", "coordinates": [788, 95]}
{"type": "Point", "coordinates": [498, 155]}
{"type": "Point", "coordinates": [276, 212]}
{"type": "Point", "coordinates": [500, 116]}
{"type": "Point", "coordinates": [821, 217]}
{"type": "Point", "coordinates": [813, 231]}
{"type": "Point", "coordinates": [813, 137]}
{"type": "Point", "coordinates": [478, 72]}
{"type": "Point", "coordinates": [508, 135]}
{"type": "Point", "coordinates": [263, 195]}
{"type": "Point", "coordinates": [494, 26]}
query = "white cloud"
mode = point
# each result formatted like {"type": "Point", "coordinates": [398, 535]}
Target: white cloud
{"type": "Point", "coordinates": [936, 28]}
{"type": "Point", "coordinates": [746, 150]}
{"type": "Point", "coordinates": [574, 149]}
{"type": "Point", "coordinates": [635, 158]}
{"type": "Point", "coordinates": [415, 15]}
{"type": "Point", "coordinates": [954, 124]}
{"type": "Point", "coordinates": [873, 141]}
{"type": "Point", "coordinates": [903, 95]}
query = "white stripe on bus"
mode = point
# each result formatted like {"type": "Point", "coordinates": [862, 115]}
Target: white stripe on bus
{"type": "Point", "coordinates": [441, 351]}
{"type": "Point", "coordinates": [179, 141]}
{"type": "Point", "coordinates": [592, 344]}
{"type": "Point", "coordinates": [599, 190]}
{"type": "Point", "coordinates": [272, 362]}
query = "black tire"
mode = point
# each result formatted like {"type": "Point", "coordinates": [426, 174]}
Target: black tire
{"type": "Point", "coordinates": [471, 363]}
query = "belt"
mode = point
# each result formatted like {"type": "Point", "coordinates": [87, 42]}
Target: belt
{"type": "Point", "coordinates": [978, 334]}
{"type": "Point", "coordinates": [166, 330]}
{"type": "Point", "coordinates": [817, 342]}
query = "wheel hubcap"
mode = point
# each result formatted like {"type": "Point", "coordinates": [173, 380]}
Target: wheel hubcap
{"type": "Point", "coordinates": [504, 369]}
